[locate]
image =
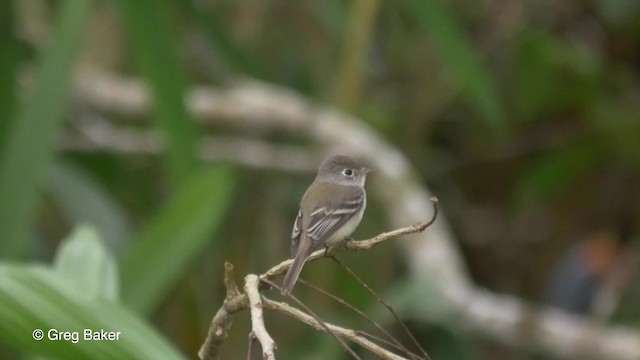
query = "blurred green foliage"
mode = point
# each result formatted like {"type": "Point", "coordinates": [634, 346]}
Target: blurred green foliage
{"type": "Point", "coordinates": [79, 292]}
{"type": "Point", "coordinates": [523, 117]}
{"type": "Point", "coordinates": [29, 146]}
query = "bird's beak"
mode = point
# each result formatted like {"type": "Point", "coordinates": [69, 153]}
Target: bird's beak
{"type": "Point", "coordinates": [367, 170]}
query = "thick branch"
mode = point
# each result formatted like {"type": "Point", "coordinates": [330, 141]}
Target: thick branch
{"type": "Point", "coordinates": [251, 283]}
{"type": "Point", "coordinates": [93, 134]}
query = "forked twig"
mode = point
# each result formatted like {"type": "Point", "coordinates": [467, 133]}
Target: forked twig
{"type": "Point", "coordinates": [221, 323]}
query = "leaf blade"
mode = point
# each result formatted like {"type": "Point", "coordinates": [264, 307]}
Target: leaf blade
{"type": "Point", "coordinates": [34, 297]}
{"type": "Point", "coordinates": [30, 145]}
{"type": "Point", "coordinates": [459, 57]}
{"type": "Point", "coordinates": [148, 24]}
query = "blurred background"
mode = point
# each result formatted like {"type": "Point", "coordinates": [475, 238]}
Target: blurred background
{"type": "Point", "coordinates": [523, 117]}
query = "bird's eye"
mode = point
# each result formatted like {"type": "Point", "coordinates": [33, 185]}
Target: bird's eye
{"type": "Point", "coordinates": [347, 172]}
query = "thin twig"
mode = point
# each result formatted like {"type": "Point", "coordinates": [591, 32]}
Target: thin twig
{"type": "Point", "coordinates": [392, 340]}
{"type": "Point", "coordinates": [252, 339]}
{"type": "Point", "coordinates": [389, 343]}
{"type": "Point", "coordinates": [416, 228]}
{"type": "Point", "coordinates": [352, 335]}
{"type": "Point", "coordinates": [317, 318]}
{"type": "Point", "coordinates": [356, 244]}
{"type": "Point", "coordinates": [385, 304]}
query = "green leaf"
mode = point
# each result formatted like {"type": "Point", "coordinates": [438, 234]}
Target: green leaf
{"type": "Point", "coordinates": [83, 260]}
{"type": "Point", "coordinates": [458, 55]}
{"type": "Point", "coordinates": [34, 297]}
{"type": "Point", "coordinates": [30, 144]}
{"type": "Point", "coordinates": [148, 23]}
{"type": "Point", "coordinates": [162, 251]}
{"type": "Point", "coordinates": [84, 201]}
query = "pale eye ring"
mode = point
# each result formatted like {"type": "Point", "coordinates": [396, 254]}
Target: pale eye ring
{"type": "Point", "coordinates": [347, 172]}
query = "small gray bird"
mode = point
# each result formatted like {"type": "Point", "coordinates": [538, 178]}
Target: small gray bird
{"type": "Point", "coordinates": [330, 211]}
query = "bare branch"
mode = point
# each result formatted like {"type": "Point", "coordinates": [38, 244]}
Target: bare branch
{"type": "Point", "coordinates": [416, 228]}
{"type": "Point", "coordinates": [392, 341]}
{"type": "Point", "coordinates": [317, 318]}
{"type": "Point", "coordinates": [385, 304]}
{"type": "Point", "coordinates": [346, 333]}
{"type": "Point", "coordinates": [257, 321]}
{"type": "Point", "coordinates": [221, 322]}
{"type": "Point", "coordinates": [94, 134]}
{"type": "Point", "coordinates": [236, 301]}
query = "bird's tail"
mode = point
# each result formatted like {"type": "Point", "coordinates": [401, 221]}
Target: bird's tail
{"type": "Point", "coordinates": [294, 271]}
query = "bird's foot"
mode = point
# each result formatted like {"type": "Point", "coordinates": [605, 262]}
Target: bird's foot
{"type": "Point", "coordinates": [326, 250]}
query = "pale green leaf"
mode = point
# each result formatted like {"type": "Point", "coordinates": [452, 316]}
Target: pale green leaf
{"type": "Point", "coordinates": [84, 201]}
{"type": "Point", "coordinates": [84, 262]}
{"type": "Point", "coordinates": [33, 297]}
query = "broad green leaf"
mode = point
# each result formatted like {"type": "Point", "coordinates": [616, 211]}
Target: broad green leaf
{"type": "Point", "coordinates": [149, 25]}
{"type": "Point", "coordinates": [30, 144]}
{"type": "Point", "coordinates": [162, 251]}
{"type": "Point", "coordinates": [34, 297]}
{"type": "Point", "coordinates": [84, 201]}
{"type": "Point", "coordinates": [460, 58]}
{"type": "Point", "coordinates": [83, 260]}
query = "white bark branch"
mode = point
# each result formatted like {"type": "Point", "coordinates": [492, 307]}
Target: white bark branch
{"type": "Point", "coordinates": [251, 283]}
{"type": "Point", "coordinates": [100, 135]}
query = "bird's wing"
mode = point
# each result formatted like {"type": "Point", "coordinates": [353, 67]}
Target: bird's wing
{"type": "Point", "coordinates": [326, 219]}
{"type": "Point", "coordinates": [295, 234]}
